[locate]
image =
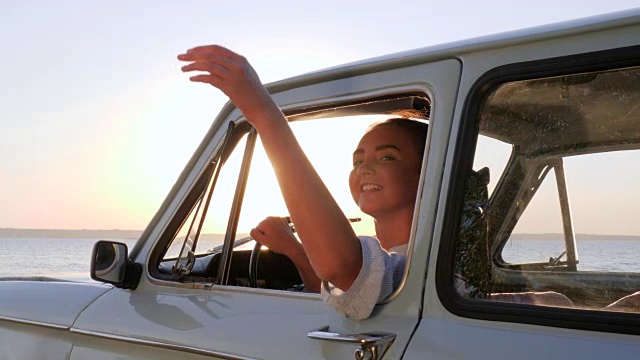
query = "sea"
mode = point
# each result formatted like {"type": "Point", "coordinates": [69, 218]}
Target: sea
{"type": "Point", "coordinates": [51, 257]}
{"type": "Point", "coordinates": [70, 258]}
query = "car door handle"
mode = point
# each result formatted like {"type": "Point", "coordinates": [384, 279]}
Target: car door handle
{"type": "Point", "coordinates": [373, 345]}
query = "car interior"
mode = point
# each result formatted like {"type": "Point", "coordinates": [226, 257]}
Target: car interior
{"type": "Point", "coordinates": [246, 263]}
{"type": "Point", "coordinates": [546, 122]}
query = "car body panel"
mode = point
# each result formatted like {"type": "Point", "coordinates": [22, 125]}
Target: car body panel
{"type": "Point", "coordinates": [439, 329]}
{"type": "Point", "coordinates": [36, 314]}
{"type": "Point", "coordinates": [456, 338]}
{"type": "Point", "coordinates": [54, 303]}
{"type": "Point", "coordinates": [20, 340]}
{"type": "Point", "coordinates": [208, 321]}
{"type": "Point", "coordinates": [163, 319]}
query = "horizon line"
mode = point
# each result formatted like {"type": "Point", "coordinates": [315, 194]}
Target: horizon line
{"type": "Point", "coordinates": [51, 229]}
{"type": "Point", "coordinates": [141, 230]}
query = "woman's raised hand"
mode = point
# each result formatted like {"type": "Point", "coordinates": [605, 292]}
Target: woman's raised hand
{"type": "Point", "coordinates": [233, 75]}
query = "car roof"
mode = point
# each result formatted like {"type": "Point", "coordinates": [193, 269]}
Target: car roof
{"type": "Point", "coordinates": [580, 116]}
{"type": "Point", "coordinates": [457, 48]}
{"type": "Point", "coordinates": [580, 113]}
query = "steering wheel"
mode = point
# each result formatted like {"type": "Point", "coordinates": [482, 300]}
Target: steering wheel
{"type": "Point", "coordinates": [255, 254]}
{"type": "Point", "coordinates": [253, 265]}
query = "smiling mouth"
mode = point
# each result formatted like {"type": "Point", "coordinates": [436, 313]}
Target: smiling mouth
{"type": "Point", "coordinates": [370, 187]}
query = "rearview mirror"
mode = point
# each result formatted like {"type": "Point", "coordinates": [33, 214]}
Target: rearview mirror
{"type": "Point", "coordinates": [110, 264]}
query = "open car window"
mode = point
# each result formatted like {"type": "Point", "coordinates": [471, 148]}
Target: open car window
{"type": "Point", "coordinates": [329, 144]}
{"type": "Point", "coordinates": [555, 226]}
{"type": "Point", "coordinates": [211, 242]}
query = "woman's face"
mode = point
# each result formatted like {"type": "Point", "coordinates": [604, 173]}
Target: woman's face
{"type": "Point", "coordinates": [386, 171]}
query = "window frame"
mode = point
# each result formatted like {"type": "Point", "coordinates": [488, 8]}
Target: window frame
{"type": "Point", "coordinates": [546, 166]}
{"type": "Point", "coordinates": [367, 105]}
{"type": "Point", "coordinates": [233, 134]}
{"type": "Point", "coordinates": [463, 156]}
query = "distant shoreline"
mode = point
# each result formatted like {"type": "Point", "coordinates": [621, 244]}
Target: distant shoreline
{"type": "Point", "coordinates": [135, 234]}
{"type": "Point", "coordinates": [69, 234]}
{"type": "Point", "coordinates": [579, 237]}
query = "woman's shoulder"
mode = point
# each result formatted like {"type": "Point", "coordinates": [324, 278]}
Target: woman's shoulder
{"type": "Point", "coordinates": [372, 241]}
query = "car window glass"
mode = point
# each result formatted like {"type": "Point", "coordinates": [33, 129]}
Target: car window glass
{"type": "Point", "coordinates": [605, 196]}
{"type": "Point", "coordinates": [217, 215]}
{"type": "Point", "coordinates": [559, 228]}
{"type": "Point", "coordinates": [537, 236]}
{"type": "Point", "coordinates": [493, 154]}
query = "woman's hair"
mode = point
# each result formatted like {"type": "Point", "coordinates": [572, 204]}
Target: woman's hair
{"type": "Point", "coordinates": [416, 128]}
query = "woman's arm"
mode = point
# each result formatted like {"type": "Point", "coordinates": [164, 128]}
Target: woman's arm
{"type": "Point", "coordinates": [331, 246]}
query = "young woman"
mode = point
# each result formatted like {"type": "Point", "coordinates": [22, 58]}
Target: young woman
{"type": "Point", "coordinates": [354, 273]}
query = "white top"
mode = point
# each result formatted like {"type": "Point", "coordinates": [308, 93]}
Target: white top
{"type": "Point", "coordinates": [380, 275]}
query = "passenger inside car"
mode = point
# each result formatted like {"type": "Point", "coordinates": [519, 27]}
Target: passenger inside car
{"type": "Point", "coordinates": [353, 273]}
{"type": "Point", "coordinates": [275, 232]}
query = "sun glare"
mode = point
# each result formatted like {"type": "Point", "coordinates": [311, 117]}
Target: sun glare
{"type": "Point", "coordinates": [328, 143]}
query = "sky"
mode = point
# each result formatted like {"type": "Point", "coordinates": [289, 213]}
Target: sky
{"type": "Point", "coordinates": [97, 121]}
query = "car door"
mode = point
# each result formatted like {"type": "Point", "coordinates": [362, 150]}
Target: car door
{"type": "Point", "coordinates": [554, 116]}
{"type": "Point", "coordinates": [180, 308]}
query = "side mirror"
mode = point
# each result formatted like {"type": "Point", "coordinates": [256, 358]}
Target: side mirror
{"type": "Point", "coordinates": [110, 263]}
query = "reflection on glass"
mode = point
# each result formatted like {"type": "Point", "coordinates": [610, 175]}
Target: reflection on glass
{"type": "Point", "coordinates": [109, 262]}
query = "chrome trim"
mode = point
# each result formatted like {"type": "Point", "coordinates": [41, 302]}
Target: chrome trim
{"type": "Point", "coordinates": [224, 268]}
{"type": "Point", "coordinates": [31, 322]}
{"type": "Point", "coordinates": [163, 345]}
{"type": "Point", "coordinates": [373, 345]}
{"type": "Point", "coordinates": [363, 338]}
{"type": "Point", "coordinates": [268, 292]}
{"type": "Point", "coordinates": [209, 286]}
